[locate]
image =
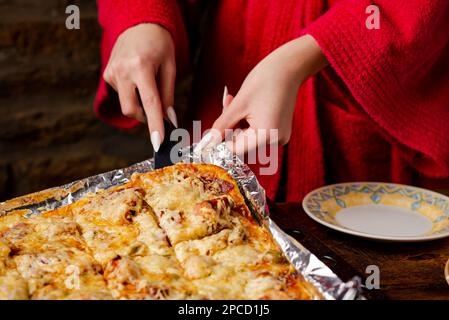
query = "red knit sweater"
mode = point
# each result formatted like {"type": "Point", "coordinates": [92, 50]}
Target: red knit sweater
{"type": "Point", "coordinates": [379, 112]}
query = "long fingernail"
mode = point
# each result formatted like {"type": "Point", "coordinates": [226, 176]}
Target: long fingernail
{"type": "Point", "coordinates": [203, 143]}
{"type": "Point", "coordinates": [225, 95]}
{"type": "Point", "coordinates": [172, 116]}
{"type": "Point", "coordinates": [156, 140]}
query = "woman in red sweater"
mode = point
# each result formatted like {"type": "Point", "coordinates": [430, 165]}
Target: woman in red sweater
{"type": "Point", "coordinates": [353, 102]}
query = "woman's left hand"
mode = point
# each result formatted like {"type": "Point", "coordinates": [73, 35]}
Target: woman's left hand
{"type": "Point", "coordinates": [267, 97]}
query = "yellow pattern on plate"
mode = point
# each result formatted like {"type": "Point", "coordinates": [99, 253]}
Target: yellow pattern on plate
{"type": "Point", "coordinates": [325, 203]}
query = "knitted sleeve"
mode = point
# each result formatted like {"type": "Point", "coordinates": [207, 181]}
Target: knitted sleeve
{"type": "Point", "coordinates": [398, 73]}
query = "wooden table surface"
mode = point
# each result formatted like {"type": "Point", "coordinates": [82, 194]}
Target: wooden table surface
{"type": "Point", "coordinates": [407, 270]}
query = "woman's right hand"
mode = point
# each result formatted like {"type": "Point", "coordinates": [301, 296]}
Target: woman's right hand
{"type": "Point", "coordinates": [142, 69]}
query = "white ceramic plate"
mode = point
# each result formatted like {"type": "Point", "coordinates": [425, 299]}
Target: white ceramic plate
{"type": "Point", "coordinates": [381, 211]}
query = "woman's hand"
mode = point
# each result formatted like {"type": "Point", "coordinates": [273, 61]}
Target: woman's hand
{"type": "Point", "coordinates": [142, 70]}
{"type": "Point", "coordinates": [267, 97]}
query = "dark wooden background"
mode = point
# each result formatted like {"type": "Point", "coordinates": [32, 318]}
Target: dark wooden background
{"type": "Point", "coordinates": [48, 78]}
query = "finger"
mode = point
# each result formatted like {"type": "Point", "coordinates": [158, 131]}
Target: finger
{"type": "Point", "coordinates": [227, 98]}
{"type": "Point", "coordinates": [225, 95]}
{"type": "Point", "coordinates": [228, 101]}
{"type": "Point", "coordinates": [244, 141]}
{"type": "Point", "coordinates": [253, 139]}
{"type": "Point", "coordinates": [151, 102]}
{"type": "Point", "coordinates": [216, 134]}
{"type": "Point", "coordinates": [167, 80]}
{"type": "Point", "coordinates": [109, 79]}
{"type": "Point", "coordinates": [129, 101]}
{"type": "Point", "coordinates": [230, 116]}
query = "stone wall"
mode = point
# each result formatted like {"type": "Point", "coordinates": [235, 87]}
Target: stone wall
{"type": "Point", "coordinates": [48, 77]}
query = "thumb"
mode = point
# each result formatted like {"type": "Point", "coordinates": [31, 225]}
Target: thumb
{"type": "Point", "coordinates": [244, 141]}
{"type": "Point", "coordinates": [230, 116]}
{"type": "Point", "coordinates": [227, 120]}
{"type": "Point", "coordinates": [216, 133]}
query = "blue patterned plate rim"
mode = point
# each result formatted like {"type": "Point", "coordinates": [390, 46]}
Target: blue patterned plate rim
{"type": "Point", "coordinates": [343, 229]}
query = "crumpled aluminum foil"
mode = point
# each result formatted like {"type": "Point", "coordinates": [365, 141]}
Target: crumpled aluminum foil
{"type": "Point", "coordinates": [328, 284]}
{"type": "Point", "coordinates": [312, 269]}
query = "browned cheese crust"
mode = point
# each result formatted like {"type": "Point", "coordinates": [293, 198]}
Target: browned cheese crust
{"type": "Point", "coordinates": [182, 232]}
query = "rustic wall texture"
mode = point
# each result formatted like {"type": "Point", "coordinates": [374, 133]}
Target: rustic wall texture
{"type": "Point", "coordinates": [48, 77]}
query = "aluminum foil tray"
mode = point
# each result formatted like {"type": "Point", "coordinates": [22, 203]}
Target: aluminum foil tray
{"type": "Point", "coordinates": [327, 283]}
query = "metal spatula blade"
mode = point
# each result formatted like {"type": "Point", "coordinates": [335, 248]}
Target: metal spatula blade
{"type": "Point", "coordinates": [162, 158]}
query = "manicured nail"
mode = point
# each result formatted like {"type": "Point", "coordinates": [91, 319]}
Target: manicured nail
{"type": "Point", "coordinates": [203, 143]}
{"type": "Point", "coordinates": [225, 95]}
{"type": "Point", "coordinates": [172, 116]}
{"type": "Point", "coordinates": [156, 140]}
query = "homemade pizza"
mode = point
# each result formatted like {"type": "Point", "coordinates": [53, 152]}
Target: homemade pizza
{"type": "Point", "coordinates": [181, 232]}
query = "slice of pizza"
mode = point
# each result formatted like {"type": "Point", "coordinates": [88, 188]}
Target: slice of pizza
{"type": "Point", "coordinates": [232, 265]}
{"type": "Point", "coordinates": [152, 277]}
{"type": "Point", "coordinates": [192, 201]}
{"type": "Point", "coordinates": [118, 223]}
{"type": "Point", "coordinates": [56, 271]}
{"type": "Point", "coordinates": [50, 255]}
{"type": "Point", "coordinates": [122, 232]}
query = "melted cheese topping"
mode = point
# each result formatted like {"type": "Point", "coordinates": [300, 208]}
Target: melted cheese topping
{"type": "Point", "coordinates": [13, 286]}
{"type": "Point", "coordinates": [182, 232]}
{"type": "Point", "coordinates": [151, 235]}
{"type": "Point", "coordinates": [108, 242]}
{"type": "Point", "coordinates": [193, 221]}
